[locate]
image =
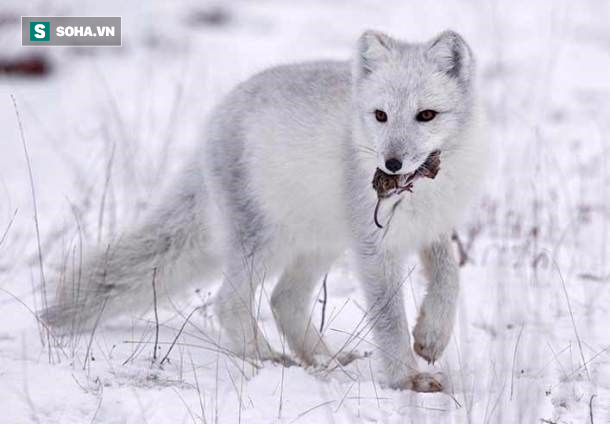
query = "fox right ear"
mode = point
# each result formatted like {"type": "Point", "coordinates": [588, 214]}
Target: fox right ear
{"type": "Point", "coordinates": [452, 55]}
{"type": "Point", "coordinates": [374, 48]}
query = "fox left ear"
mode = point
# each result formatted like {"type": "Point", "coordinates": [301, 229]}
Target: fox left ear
{"type": "Point", "coordinates": [452, 55]}
{"type": "Point", "coordinates": [374, 48]}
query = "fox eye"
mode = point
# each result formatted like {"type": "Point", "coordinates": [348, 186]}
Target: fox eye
{"type": "Point", "coordinates": [426, 115]}
{"type": "Point", "coordinates": [381, 116]}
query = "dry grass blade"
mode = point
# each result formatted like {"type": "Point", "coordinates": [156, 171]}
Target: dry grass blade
{"type": "Point", "coordinates": [577, 370]}
{"type": "Point", "coordinates": [34, 201]}
{"type": "Point", "coordinates": [102, 209]}
{"type": "Point", "coordinates": [26, 389]}
{"type": "Point", "coordinates": [166, 357]}
{"type": "Point", "coordinates": [38, 320]}
{"type": "Point", "coordinates": [324, 302]}
{"type": "Point", "coordinates": [186, 405]}
{"type": "Point", "coordinates": [99, 405]}
{"type": "Point", "coordinates": [36, 222]}
{"type": "Point", "coordinates": [565, 292]}
{"type": "Point", "coordinates": [313, 408]}
{"type": "Point", "coordinates": [512, 377]}
{"type": "Point", "coordinates": [349, 389]}
{"type": "Point", "coordinates": [156, 346]}
{"type": "Point", "coordinates": [8, 227]}
{"type": "Point", "coordinates": [591, 408]}
{"type": "Point", "coordinates": [97, 322]}
{"type": "Point", "coordinates": [201, 403]}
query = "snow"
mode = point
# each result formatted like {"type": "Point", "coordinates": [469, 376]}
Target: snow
{"type": "Point", "coordinates": [532, 341]}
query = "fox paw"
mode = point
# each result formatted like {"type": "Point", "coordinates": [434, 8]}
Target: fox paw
{"type": "Point", "coordinates": [422, 382]}
{"type": "Point", "coordinates": [431, 335]}
{"type": "Point", "coordinates": [346, 358]}
{"type": "Point", "coordinates": [282, 359]}
{"type": "Point", "coordinates": [340, 359]}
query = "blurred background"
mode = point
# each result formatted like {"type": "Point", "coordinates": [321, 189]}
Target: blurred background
{"type": "Point", "coordinates": [105, 128]}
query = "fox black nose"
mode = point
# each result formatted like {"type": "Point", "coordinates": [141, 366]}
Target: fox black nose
{"type": "Point", "coordinates": [393, 164]}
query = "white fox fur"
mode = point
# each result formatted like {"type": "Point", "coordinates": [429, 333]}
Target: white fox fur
{"type": "Point", "coordinates": [282, 186]}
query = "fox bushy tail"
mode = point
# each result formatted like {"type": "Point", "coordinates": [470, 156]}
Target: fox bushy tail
{"type": "Point", "coordinates": [171, 246]}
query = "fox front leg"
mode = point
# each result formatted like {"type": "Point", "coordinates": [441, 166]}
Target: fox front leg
{"type": "Point", "coordinates": [382, 282]}
{"type": "Point", "coordinates": [437, 313]}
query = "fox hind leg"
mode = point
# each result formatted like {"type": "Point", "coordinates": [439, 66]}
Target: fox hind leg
{"type": "Point", "coordinates": [237, 310]}
{"type": "Point", "coordinates": [292, 304]}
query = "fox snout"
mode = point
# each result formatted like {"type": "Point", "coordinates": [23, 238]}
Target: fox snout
{"type": "Point", "coordinates": [394, 164]}
{"type": "Point", "coordinates": [400, 156]}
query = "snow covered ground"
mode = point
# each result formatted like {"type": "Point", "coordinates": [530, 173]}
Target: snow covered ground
{"type": "Point", "coordinates": [107, 127]}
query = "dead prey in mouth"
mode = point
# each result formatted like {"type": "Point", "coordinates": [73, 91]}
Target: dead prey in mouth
{"type": "Point", "coordinates": [388, 185]}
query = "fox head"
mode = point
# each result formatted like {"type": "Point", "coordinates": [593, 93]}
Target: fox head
{"type": "Point", "coordinates": [411, 99]}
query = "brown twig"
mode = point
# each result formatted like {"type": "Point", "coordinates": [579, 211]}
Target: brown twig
{"type": "Point", "coordinates": [463, 255]}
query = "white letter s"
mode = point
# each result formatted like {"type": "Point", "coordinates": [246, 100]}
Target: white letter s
{"type": "Point", "coordinates": [39, 30]}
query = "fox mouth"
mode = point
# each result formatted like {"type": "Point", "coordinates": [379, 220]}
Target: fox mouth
{"type": "Point", "coordinates": [386, 185]}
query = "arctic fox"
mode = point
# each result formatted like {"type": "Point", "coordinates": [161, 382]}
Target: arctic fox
{"type": "Point", "coordinates": [281, 186]}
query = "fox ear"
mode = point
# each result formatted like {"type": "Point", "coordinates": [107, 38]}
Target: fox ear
{"type": "Point", "coordinates": [452, 55]}
{"type": "Point", "coordinates": [374, 48]}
